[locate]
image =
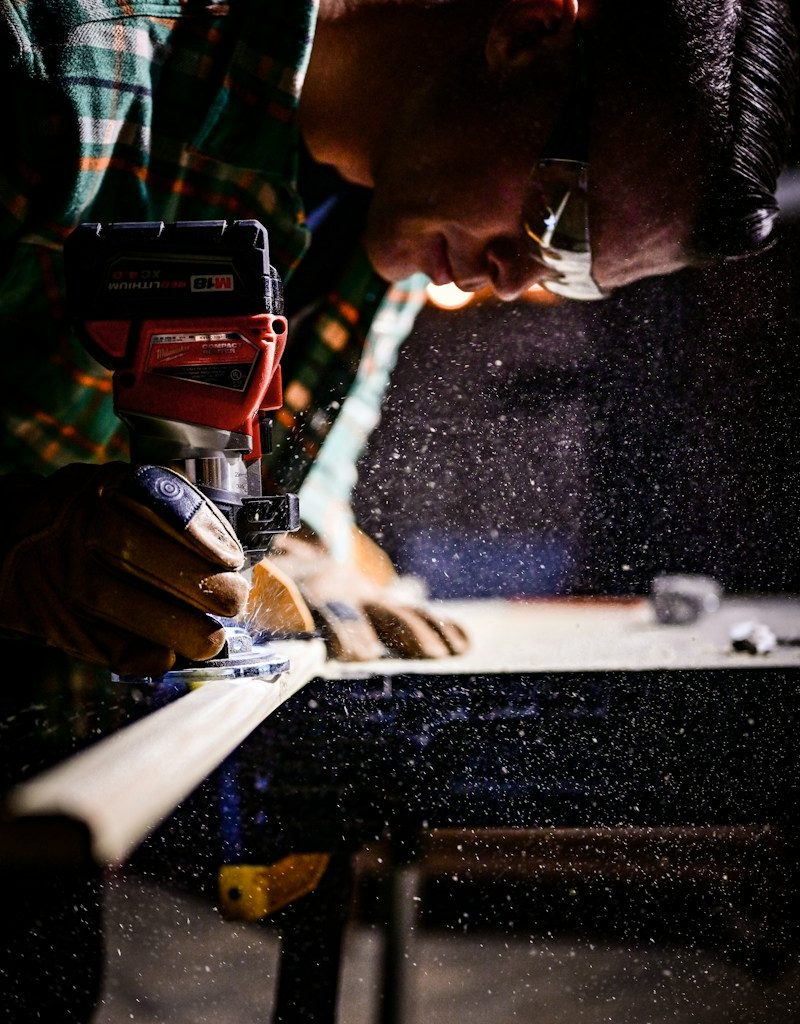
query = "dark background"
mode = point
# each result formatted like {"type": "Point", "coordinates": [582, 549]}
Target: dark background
{"type": "Point", "coordinates": [530, 448]}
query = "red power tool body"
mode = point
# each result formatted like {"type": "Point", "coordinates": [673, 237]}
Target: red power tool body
{"type": "Point", "coordinates": [189, 316]}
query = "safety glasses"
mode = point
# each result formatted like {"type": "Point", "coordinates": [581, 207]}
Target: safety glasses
{"type": "Point", "coordinates": [555, 219]}
{"type": "Point", "coordinates": [560, 228]}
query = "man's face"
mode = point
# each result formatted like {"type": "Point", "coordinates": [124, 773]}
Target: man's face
{"type": "Point", "coordinates": [454, 185]}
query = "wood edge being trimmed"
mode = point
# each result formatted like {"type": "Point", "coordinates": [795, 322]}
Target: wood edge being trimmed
{"type": "Point", "coordinates": [125, 785]}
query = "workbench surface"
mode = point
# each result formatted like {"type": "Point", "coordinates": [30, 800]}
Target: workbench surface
{"type": "Point", "coordinates": [596, 634]}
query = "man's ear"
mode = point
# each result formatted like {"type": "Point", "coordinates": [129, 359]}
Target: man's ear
{"type": "Point", "coordinates": [523, 31]}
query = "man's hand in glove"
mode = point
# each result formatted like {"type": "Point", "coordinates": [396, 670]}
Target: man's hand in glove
{"type": "Point", "coordinates": [360, 609]}
{"type": "Point", "coordinates": [118, 565]}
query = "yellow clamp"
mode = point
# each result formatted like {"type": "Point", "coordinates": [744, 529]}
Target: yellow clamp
{"type": "Point", "coordinates": [250, 892]}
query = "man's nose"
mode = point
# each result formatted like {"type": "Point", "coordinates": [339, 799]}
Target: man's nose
{"type": "Point", "coordinates": [513, 269]}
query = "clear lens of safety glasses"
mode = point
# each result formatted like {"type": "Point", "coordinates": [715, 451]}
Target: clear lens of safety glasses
{"type": "Point", "coordinates": [561, 231]}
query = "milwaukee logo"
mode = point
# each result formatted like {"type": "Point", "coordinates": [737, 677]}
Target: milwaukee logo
{"type": "Point", "coordinates": [164, 355]}
{"type": "Point", "coordinates": [211, 282]}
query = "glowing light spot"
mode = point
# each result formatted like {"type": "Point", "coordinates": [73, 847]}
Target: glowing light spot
{"type": "Point", "coordinates": [538, 293]}
{"type": "Point", "coordinates": [448, 296]}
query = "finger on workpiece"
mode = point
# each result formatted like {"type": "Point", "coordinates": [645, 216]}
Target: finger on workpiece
{"type": "Point", "coordinates": [139, 550]}
{"type": "Point", "coordinates": [453, 634]}
{"type": "Point", "coordinates": [143, 611]}
{"type": "Point", "coordinates": [405, 632]}
{"type": "Point", "coordinates": [348, 634]}
{"type": "Point", "coordinates": [173, 505]}
{"type": "Point", "coordinates": [275, 604]}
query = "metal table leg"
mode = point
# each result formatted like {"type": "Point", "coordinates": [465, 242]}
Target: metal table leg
{"type": "Point", "coordinates": [396, 993]}
{"type": "Point", "coordinates": [312, 931]}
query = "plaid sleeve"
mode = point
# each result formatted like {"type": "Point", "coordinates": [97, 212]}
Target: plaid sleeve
{"type": "Point", "coordinates": [129, 110]}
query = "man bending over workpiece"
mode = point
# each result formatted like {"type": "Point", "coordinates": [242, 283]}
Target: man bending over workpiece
{"type": "Point", "coordinates": [455, 140]}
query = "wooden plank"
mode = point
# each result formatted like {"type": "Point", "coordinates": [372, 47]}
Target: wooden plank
{"type": "Point", "coordinates": [125, 785]}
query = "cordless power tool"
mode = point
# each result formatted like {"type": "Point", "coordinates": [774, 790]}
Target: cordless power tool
{"type": "Point", "coordinates": [188, 315]}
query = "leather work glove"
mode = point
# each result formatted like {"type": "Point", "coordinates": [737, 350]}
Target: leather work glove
{"type": "Point", "coordinates": [361, 610]}
{"type": "Point", "coordinates": [118, 565]}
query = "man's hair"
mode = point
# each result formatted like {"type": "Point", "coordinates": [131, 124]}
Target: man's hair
{"type": "Point", "coordinates": [763, 80]}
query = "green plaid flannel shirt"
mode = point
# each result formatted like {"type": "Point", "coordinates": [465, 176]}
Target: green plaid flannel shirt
{"type": "Point", "coordinates": [166, 110]}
